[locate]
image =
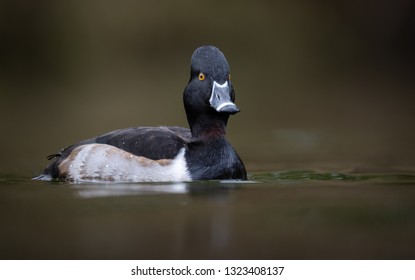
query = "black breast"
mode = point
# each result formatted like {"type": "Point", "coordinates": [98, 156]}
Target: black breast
{"type": "Point", "coordinates": [216, 160]}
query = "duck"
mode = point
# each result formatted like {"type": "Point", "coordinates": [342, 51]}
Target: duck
{"type": "Point", "coordinates": [166, 153]}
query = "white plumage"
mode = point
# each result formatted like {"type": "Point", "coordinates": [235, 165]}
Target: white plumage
{"type": "Point", "coordinates": [101, 162]}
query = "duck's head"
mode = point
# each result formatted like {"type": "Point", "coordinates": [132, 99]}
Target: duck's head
{"type": "Point", "coordinates": [209, 96]}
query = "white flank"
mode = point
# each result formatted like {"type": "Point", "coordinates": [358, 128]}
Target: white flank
{"type": "Point", "coordinates": [101, 162]}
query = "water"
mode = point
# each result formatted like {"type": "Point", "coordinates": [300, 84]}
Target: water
{"type": "Point", "coordinates": [281, 215]}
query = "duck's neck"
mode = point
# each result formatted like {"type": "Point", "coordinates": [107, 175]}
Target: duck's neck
{"type": "Point", "coordinates": [209, 128]}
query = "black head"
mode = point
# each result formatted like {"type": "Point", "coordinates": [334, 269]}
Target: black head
{"type": "Point", "coordinates": [209, 96]}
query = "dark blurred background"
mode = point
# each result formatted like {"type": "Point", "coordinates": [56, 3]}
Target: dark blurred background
{"type": "Point", "coordinates": [321, 84]}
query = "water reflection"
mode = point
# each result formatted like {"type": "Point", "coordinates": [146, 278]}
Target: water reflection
{"type": "Point", "coordinates": [96, 190]}
{"type": "Point", "coordinates": [108, 190]}
{"type": "Point", "coordinates": [173, 217]}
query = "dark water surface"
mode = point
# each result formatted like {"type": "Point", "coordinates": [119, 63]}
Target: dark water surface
{"type": "Point", "coordinates": [279, 215]}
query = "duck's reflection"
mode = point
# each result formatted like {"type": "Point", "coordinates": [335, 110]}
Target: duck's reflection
{"type": "Point", "coordinates": [161, 220]}
{"type": "Point", "coordinates": [125, 189]}
{"type": "Point", "coordinates": [96, 190]}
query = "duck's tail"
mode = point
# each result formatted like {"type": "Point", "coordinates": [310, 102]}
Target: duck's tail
{"type": "Point", "coordinates": [51, 172]}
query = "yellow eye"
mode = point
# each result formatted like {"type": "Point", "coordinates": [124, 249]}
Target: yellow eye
{"type": "Point", "coordinates": [201, 76]}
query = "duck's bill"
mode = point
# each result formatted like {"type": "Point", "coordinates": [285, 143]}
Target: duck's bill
{"type": "Point", "coordinates": [220, 99]}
